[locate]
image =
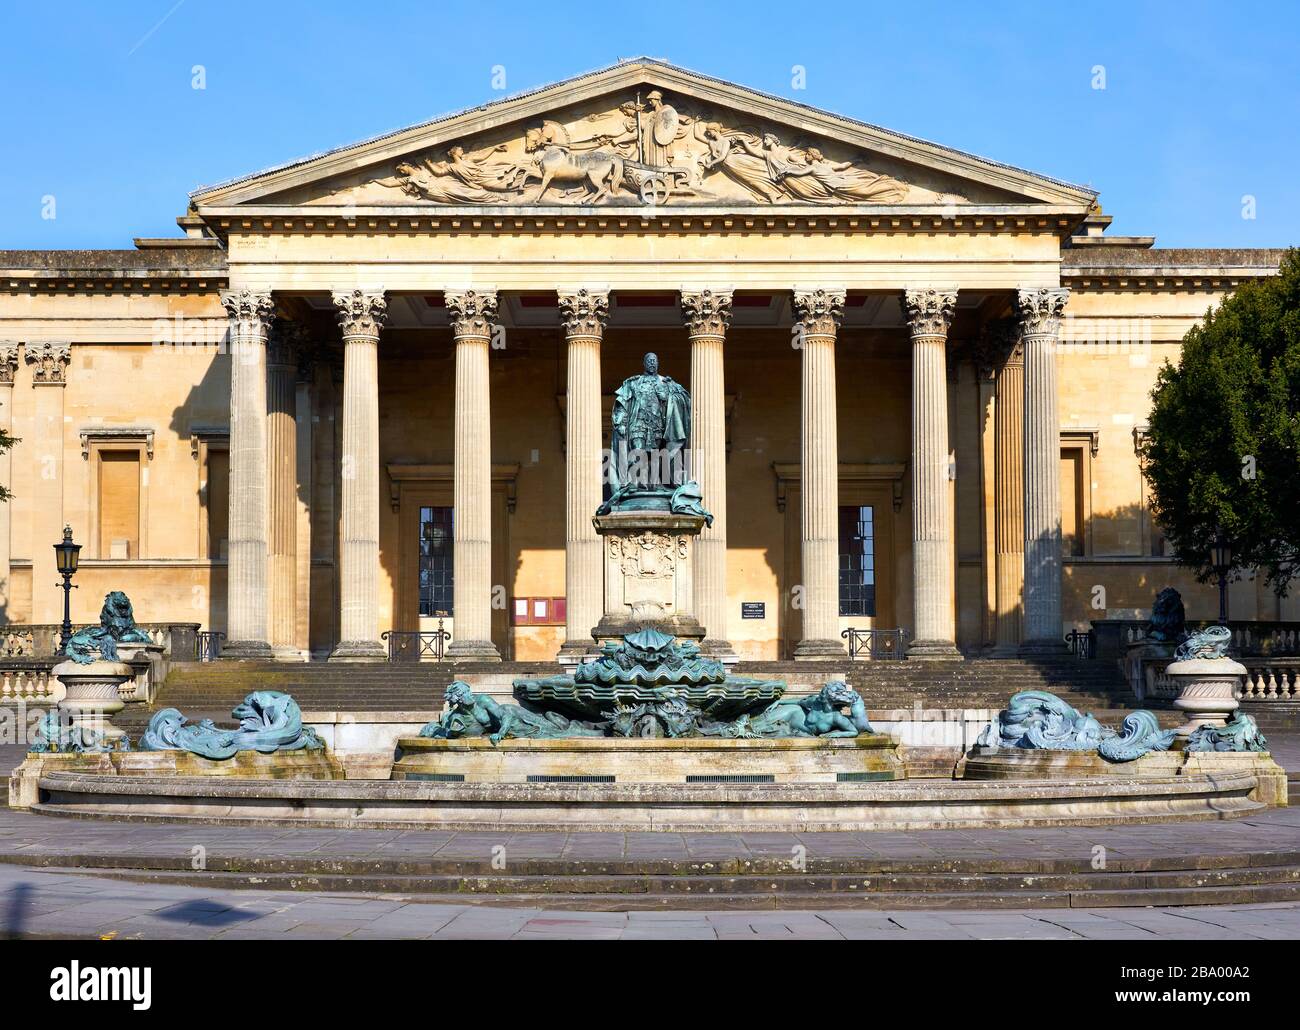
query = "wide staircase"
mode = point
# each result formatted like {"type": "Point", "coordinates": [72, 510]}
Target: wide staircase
{"type": "Point", "coordinates": [211, 689]}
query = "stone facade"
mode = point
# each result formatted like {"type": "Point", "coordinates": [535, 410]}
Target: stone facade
{"type": "Point", "coordinates": [247, 426]}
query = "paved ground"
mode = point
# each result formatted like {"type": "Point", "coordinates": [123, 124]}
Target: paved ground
{"type": "Point", "coordinates": [59, 903]}
{"type": "Point", "coordinates": [63, 905]}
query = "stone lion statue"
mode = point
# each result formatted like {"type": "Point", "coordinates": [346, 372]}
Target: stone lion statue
{"type": "Point", "coordinates": [1168, 617]}
{"type": "Point", "coordinates": [116, 626]}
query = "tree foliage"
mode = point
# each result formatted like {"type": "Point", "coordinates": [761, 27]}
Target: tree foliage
{"type": "Point", "coordinates": [1223, 448]}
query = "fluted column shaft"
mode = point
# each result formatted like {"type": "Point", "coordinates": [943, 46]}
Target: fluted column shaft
{"type": "Point", "coordinates": [282, 459]}
{"type": "Point", "coordinates": [708, 314]}
{"type": "Point", "coordinates": [361, 316]}
{"type": "Point", "coordinates": [1009, 498]}
{"type": "Point", "coordinates": [1040, 312]}
{"type": "Point", "coordinates": [473, 318]}
{"type": "Point", "coordinates": [929, 313]}
{"type": "Point", "coordinates": [583, 314]}
{"type": "Point", "coordinates": [247, 586]}
{"type": "Point", "coordinates": [818, 314]}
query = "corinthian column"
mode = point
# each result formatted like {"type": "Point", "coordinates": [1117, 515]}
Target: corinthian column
{"type": "Point", "coordinates": [282, 459]}
{"type": "Point", "coordinates": [1007, 357]}
{"type": "Point", "coordinates": [818, 314]}
{"type": "Point", "coordinates": [246, 586]}
{"type": "Point", "coordinates": [929, 313]}
{"type": "Point", "coordinates": [361, 315]}
{"type": "Point", "coordinates": [473, 316]}
{"type": "Point", "coordinates": [583, 314]}
{"type": "Point", "coordinates": [708, 313]}
{"type": "Point", "coordinates": [1040, 321]}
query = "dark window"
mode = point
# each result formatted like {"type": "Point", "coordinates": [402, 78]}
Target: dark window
{"type": "Point", "coordinates": [857, 560]}
{"type": "Point", "coordinates": [436, 570]}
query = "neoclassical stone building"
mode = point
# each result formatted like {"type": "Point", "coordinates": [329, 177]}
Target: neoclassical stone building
{"type": "Point", "coordinates": [370, 390]}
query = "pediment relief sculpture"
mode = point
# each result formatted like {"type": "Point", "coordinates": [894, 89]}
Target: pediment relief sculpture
{"type": "Point", "coordinates": [647, 151]}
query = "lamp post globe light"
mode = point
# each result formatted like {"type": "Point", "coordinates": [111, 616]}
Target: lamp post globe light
{"type": "Point", "coordinates": [65, 561]}
{"type": "Point", "coordinates": [1221, 560]}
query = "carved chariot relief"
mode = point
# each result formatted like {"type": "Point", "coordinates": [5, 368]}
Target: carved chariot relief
{"type": "Point", "coordinates": [647, 150]}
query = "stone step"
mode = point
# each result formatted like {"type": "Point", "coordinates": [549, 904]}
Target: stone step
{"type": "Point", "coordinates": [785, 890]}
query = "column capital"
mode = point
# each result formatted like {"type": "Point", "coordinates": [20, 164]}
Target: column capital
{"type": "Point", "coordinates": [707, 312]}
{"type": "Point", "coordinates": [361, 312]}
{"type": "Point", "coordinates": [1040, 310]}
{"type": "Point", "coordinates": [929, 312]}
{"type": "Point", "coordinates": [8, 361]}
{"type": "Point", "coordinates": [285, 342]}
{"type": "Point", "coordinates": [473, 312]}
{"type": "Point", "coordinates": [821, 310]}
{"type": "Point", "coordinates": [49, 363]}
{"type": "Point", "coordinates": [250, 313]}
{"type": "Point", "coordinates": [998, 346]}
{"type": "Point", "coordinates": [583, 312]}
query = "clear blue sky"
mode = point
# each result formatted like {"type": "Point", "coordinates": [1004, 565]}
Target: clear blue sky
{"type": "Point", "coordinates": [1201, 105]}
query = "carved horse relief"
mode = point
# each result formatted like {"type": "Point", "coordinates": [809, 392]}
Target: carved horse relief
{"type": "Point", "coordinates": [649, 152]}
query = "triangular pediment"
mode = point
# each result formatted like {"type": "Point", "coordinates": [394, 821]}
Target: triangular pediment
{"type": "Point", "coordinates": [642, 132]}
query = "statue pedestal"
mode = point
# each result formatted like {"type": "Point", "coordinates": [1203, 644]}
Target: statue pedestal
{"type": "Point", "coordinates": [648, 573]}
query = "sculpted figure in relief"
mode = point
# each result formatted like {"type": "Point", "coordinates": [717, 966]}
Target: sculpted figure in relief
{"type": "Point", "coordinates": [655, 153]}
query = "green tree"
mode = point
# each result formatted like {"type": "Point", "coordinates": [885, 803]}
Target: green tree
{"type": "Point", "coordinates": [1223, 449]}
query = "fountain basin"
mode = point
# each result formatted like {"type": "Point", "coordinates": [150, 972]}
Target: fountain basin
{"type": "Point", "coordinates": [869, 757]}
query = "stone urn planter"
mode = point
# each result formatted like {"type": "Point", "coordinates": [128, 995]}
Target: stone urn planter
{"type": "Point", "coordinates": [1209, 688]}
{"type": "Point", "coordinates": [92, 694]}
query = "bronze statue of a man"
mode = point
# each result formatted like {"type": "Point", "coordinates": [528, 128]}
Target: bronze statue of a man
{"type": "Point", "coordinates": [651, 427]}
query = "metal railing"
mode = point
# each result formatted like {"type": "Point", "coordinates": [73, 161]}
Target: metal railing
{"type": "Point", "coordinates": [207, 645]}
{"type": "Point", "coordinates": [877, 645]}
{"type": "Point", "coordinates": [1082, 644]}
{"type": "Point", "coordinates": [417, 645]}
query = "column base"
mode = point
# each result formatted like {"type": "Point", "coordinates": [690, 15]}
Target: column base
{"type": "Point", "coordinates": [473, 651]}
{"type": "Point", "coordinates": [933, 651]}
{"type": "Point", "coordinates": [719, 649]}
{"type": "Point", "coordinates": [1047, 648]}
{"type": "Point", "coordinates": [574, 652]}
{"type": "Point", "coordinates": [359, 651]}
{"type": "Point", "coordinates": [244, 650]}
{"type": "Point", "coordinates": [820, 651]}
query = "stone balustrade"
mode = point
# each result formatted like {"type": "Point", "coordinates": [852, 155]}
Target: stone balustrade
{"type": "Point", "coordinates": [1267, 679]}
{"type": "Point", "coordinates": [28, 680]}
{"type": "Point", "coordinates": [178, 639]}
{"type": "Point", "coordinates": [1248, 637]}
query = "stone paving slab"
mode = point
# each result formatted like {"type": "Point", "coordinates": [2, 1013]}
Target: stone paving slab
{"type": "Point", "coordinates": [43, 903]}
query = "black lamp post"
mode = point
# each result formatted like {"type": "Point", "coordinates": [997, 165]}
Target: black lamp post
{"type": "Point", "coordinates": [1221, 559]}
{"type": "Point", "coordinates": [65, 560]}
